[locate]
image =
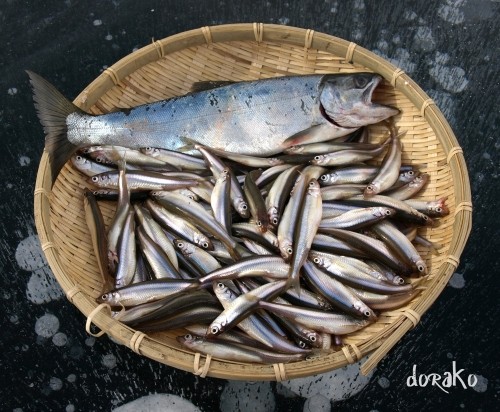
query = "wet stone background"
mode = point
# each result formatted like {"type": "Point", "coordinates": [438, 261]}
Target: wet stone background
{"type": "Point", "coordinates": [49, 363]}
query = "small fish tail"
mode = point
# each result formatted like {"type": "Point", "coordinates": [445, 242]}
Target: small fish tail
{"type": "Point", "coordinates": [293, 281]}
{"type": "Point", "coordinates": [53, 109]}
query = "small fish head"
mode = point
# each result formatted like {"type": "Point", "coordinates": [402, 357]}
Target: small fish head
{"type": "Point", "coordinates": [99, 180]}
{"type": "Point", "coordinates": [272, 212]}
{"type": "Point", "coordinates": [383, 212]}
{"type": "Point", "coordinates": [439, 208]}
{"type": "Point", "coordinates": [189, 340]}
{"type": "Point", "coordinates": [346, 100]}
{"type": "Point", "coordinates": [421, 267]}
{"type": "Point", "coordinates": [202, 241]}
{"type": "Point", "coordinates": [222, 291]}
{"type": "Point", "coordinates": [80, 162]}
{"type": "Point", "coordinates": [184, 247]}
{"type": "Point", "coordinates": [110, 298]}
{"type": "Point", "coordinates": [313, 188]}
{"type": "Point", "coordinates": [366, 312]}
{"type": "Point", "coordinates": [319, 160]}
{"type": "Point", "coordinates": [328, 179]}
{"type": "Point", "coordinates": [407, 176]}
{"type": "Point", "coordinates": [371, 190]}
{"type": "Point", "coordinates": [286, 249]}
{"type": "Point", "coordinates": [150, 151]}
{"type": "Point", "coordinates": [241, 207]}
{"type": "Point", "coordinates": [314, 339]}
{"type": "Point", "coordinates": [317, 259]}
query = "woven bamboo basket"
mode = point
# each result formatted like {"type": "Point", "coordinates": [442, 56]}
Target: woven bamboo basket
{"type": "Point", "coordinates": [239, 52]}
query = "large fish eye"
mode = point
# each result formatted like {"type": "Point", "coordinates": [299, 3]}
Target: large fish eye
{"type": "Point", "coordinates": [324, 178]}
{"type": "Point", "coordinates": [244, 206]}
{"type": "Point", "coordinates": [95, 179]}
{"type": "Point", "coordinates": [360, 82]}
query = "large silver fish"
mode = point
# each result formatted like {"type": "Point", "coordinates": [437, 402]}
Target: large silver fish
{"type": "Point", "coordinates": [267, 116]}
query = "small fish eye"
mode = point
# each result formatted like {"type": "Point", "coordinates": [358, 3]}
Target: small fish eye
{"type": "Point", "coordinates": [220, 285]}
{"type": "Point", "coordinates": [302, 344]}
{"type": "Point", "coordinates": [411, 173]}
{"type": "Point", "coordinates": [214, 330]}
{"type": "Point", "coordinates": [367, 314]}
{"type": "Point", "coordinates": [244, 207]}
{"type": "Point", "coordinates": [316, 260]}
{"type": "Point", "coordinates": [259, 223]}
{"type": "Point", "coordinates": [324, 178]}
{"type": "Point", "coordinates": [188, 336]}
{"type": "Point", "coordinates": [311, 184]}
{"type": "Point", "coordinates": [426, 217]}
{"type": "Point", "coordinates": [388, 212]}
{"type": "Point", "coordinates": [289, 250]}
{"type": "Point", "coordinates": [317, 157]}
{"type": "Point", "coordinates": [420, 268]}
{"type": "Point", "coordinates": [180, 244]}
{"type": "Point", "coordinates": [104, 297]}
{"type": "Point", "coordinates": [78, 157]}
{"type": "Point", "coordinates": [439, 209]}
{"type": "Point", "coordinates": [204, 245]}
{"type": "Point", "coordinates": [275, 221]}
{"type": "Point", "coordinates": [95, 179]}
{"type": "Point", "coordinates": [313, 338]}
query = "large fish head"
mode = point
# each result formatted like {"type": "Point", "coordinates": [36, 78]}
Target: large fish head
{"type": "Point", "coordinates": [346, 100]}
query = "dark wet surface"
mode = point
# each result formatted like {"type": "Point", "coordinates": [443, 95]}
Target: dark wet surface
{"type": "Point", "coordinates": [449, 47]}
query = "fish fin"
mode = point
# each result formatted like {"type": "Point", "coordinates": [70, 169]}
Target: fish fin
{"type": "Point", "coordinates": [189, 145]}
{"type": "Point", "coordinates": [293, 281]}
{"type": "Point", "coordinates": [315, 134]}
{"type": "Point", "coordinates": [53, 109]}
{"type": "Point", "coordinates": [209, 85]}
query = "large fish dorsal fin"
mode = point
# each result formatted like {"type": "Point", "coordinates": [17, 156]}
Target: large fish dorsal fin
{"type": "Point", "coordinates": [209, 85]}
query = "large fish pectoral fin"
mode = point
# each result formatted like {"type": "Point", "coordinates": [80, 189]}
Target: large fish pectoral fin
{"type": "Point", "coordinates": [316, 134]}
{"type": "Point", "coordinates": [53, 109]}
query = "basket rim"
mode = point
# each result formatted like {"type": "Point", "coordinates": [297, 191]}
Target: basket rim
{"type": "Point", "coordinates": [309, 39]}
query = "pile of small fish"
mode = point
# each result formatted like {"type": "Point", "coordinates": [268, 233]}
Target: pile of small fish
{"type": "Point", "coordinates": [295, 250]}
{"type": "Point", "coordinates": [264, 234]}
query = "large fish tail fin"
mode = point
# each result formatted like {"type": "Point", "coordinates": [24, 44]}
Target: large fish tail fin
{"type": "Point", "coordinates": [53, 109]}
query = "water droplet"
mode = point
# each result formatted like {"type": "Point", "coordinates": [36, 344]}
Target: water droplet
{"type": "Point", "coordinates": [47, 325]}
{"type": "Point", "coordinates": [59, 339]}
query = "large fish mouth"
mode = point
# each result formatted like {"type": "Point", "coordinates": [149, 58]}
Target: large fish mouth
{"type": "Point", "coordinates": [370, 88]}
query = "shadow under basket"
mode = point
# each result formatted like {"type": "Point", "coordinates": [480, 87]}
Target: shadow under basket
{"type": "Point", "coordinates": [241, 52]}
